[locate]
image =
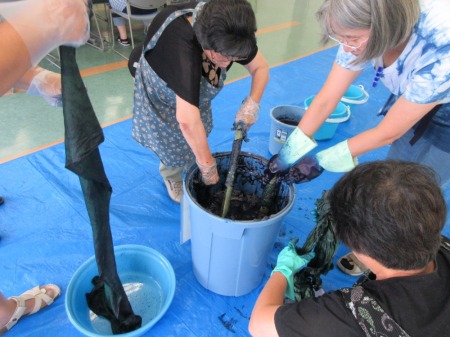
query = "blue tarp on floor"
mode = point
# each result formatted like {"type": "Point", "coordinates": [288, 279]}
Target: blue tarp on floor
{"type": "Point", "coordinates": [46, 234]}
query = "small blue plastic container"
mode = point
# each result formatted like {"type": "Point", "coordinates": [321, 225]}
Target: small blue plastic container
{"type": "Point", "coordinates": [354, 95]}
{"type": "Point", "coordinates": [340, 114]}
{"type": "Point", "coordinates": [148, 280]}
{"type": "Point", "coordinates": [230, 257]}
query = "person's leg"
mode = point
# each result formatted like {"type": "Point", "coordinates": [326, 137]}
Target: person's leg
{"type": "Point", "coordinates": [1, 200]}
{"type": "Point", "coordinates": [173, 179]}
{"type": "Point", "coordinates": [119, 22]}
{"type": "Point", "coordinates": [7, 308]}
{"type": "Point", "coordinates": [14, 308]}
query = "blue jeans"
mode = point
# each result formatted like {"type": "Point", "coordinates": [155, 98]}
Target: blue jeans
{"type": "Point", "coordinates": [422, 152]}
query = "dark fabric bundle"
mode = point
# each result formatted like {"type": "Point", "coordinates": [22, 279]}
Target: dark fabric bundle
{"type": "Point", "coordinates": [325, 244]}
{"type": "Point", "coordinates": [304, 170]}
{"type": "Point", "coordinates": [83, 135]}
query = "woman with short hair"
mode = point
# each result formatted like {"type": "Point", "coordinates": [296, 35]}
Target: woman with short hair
{"type": "Point", "coordinates": [188, 50]}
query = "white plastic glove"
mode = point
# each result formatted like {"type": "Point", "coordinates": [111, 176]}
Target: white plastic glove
{"type": "Point", "coordinates": [48, 85]}
{"type": "Point", "coordinates": [248, 112]}
{"type": "Point", "coordinates": [337, 158]}
{"type": "Point", "coordinates": [46, 24]}
{"type": "Point", "coordinates": [210, 176]}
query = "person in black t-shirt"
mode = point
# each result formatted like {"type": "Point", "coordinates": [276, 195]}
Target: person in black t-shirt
{"type": "Point", "coordinates": [390, 214]}
{"type": "Point", "coordinates": [180, 69]}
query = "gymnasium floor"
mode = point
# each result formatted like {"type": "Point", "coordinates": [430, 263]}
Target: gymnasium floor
{"type": "Point", "coordinates": [44, 229]}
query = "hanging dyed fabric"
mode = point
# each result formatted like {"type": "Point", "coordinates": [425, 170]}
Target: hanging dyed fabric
{"type": "Point", "coordinates": [322, 239]}
{"type": "Point", "coordinates": [83, 135]}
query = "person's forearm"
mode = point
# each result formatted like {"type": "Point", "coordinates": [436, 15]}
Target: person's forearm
{"type": "Point", "coordinates": [259, 70]}
{"type": "Point", "coordinates": [188, 117]}
{"type": "Point", "coordinates": [326, 100]}
{"type": "Point", "coordinates": [195, 136]}
{"type": "Point", "coordinates": [262, 320]}
{"type": "Point", "coordinates": [316, 114]}
{"type": "Point", "coordinates": [26, 79]}
{"type": "Point", "coordinates": [259, 82]}
{"type": "Point", "coordinates": [14, 58]}
{"type": "Point", "coordinates": [401, 117]}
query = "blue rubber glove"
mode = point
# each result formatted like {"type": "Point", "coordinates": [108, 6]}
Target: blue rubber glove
{"type": "Point", "coordinates": [297, 145]}
{"type": "Point", "coordinates": [337, 158]}
{"type": "Point", "coordinates": [288, 263]}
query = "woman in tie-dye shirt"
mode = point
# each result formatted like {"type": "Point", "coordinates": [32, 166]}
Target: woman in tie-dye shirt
{"type": "Point", "coordinates": [407, 42]}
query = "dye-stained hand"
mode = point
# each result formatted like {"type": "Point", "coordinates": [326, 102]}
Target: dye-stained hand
{"type": "Point", "coordinates": [306, 169]}
{"type": "Point", "coordinates": [209, 173]}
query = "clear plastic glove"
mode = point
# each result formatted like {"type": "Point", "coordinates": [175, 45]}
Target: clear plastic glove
{"type": "Point", "coordinates": [48, 85]}
{"type": "Point", "coordinates": [297, 145]}
{"type": "Point", "coordinates": [289, 263]}
{"type": "Point", "coordinates": [210, 176]}
{"type": "Point", "coordinates": [60, 22]}
{"type": "Point", "coordinates": [337, 158]}
{"type": "Point", "coordinates": [248, 112]}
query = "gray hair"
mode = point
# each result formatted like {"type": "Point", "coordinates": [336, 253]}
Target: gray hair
{"type": "Point", "coordinates": [391, 22]}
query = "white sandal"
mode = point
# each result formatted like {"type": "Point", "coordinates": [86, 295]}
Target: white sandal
{"type": "Point", "coordinates": [39, 295]}
{"type": "Point", "coordinates": [349, 264]}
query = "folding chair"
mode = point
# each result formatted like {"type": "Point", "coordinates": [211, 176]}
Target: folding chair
{"type": "Point", "coordinates": [142, 4]}
{"type": "Point", "coordinates": [97, 39]}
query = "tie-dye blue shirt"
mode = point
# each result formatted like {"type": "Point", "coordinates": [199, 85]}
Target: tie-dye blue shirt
{"type": "Point", "coordinates": [421, 74]}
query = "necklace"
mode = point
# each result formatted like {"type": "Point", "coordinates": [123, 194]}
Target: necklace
{"type": "Point", "coordinates": [379, 74]}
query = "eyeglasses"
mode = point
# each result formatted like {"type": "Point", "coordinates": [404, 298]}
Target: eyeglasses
{"type": "Point", "coordinates": [224, 58]}
{"type": "Point", "coordinates": [344, 43]}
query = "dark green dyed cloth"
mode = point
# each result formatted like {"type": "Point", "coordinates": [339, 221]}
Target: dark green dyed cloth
{"type": "Point", "coordinates": [324, 242]}
{"type": "Point", "coordinates": [83, 135]}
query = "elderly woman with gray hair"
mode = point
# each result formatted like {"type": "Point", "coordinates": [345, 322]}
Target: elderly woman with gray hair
{"type": "Point", "coordinates": [188, 50]}
{"type": "Point", "coordinates": [407, 42]}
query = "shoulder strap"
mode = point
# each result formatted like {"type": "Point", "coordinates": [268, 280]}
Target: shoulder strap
{"type": "Point", "coordinates": [370, 316]}
{"type": "Point", "coordinates": [445, 243]}
{"type": "Point", "coordinates": [423, 123]}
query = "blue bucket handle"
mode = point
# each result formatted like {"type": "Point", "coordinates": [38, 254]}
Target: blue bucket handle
{"type": "Point", "coordinates": [364, 100]}
{"type": "Point", "coordinates": [343, 119]}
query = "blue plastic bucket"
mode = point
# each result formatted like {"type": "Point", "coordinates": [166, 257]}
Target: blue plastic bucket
{"type": "Point", "coordinates": [355, 94]}
{"type": "Point", "coordinates": [148, 280]}
{"type": "Point", "coordinates": [340, 114]}
{"type": "Point", "coordinates": [229, 257]}
{"type": "Point", "coordinates": [284, 120]}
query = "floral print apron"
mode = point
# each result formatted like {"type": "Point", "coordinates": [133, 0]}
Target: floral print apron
{"type": "Point", "coordinates": [154, 117]}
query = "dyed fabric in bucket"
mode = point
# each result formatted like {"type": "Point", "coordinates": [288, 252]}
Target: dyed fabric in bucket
{"type": "Point", "coordinates": [248, 188]}
{"type": "Point", "coordinates": [149, 282]}
{"type": "Point", "coordinates": [83, 135]}
{"type": "Point", "coordinates": [229, 254]}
